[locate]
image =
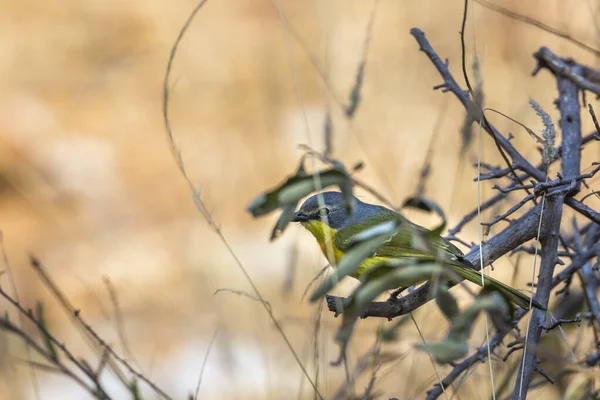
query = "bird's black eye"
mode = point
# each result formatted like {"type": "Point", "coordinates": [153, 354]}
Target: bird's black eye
{"type": "Point", "coordinates": [323, 212]}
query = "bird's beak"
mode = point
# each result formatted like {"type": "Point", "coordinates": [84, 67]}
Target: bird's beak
{"type": "Point", "coordinates": [299, 216]}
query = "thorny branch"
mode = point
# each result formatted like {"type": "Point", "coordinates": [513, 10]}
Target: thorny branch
{"type": "Point", "coordinates": [589, 280]}
{"type": "Point", "coordinates": [570, 123]}
{"type": "Point", "coordinates": [549, 240]}
{"type": "Point", "coordinates": [518, 160]}
{"type": "Point", "coordinates": [524, 228]}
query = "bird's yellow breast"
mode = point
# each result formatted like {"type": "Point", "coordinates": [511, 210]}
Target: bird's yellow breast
{"type": "Point", "coordinates": [325, 236]}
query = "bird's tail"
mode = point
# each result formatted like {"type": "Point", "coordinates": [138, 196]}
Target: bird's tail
{"type": "Point", "coordinates": [520, 299]}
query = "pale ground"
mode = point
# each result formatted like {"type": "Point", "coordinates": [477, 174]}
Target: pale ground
{"type": "Point", "coordinates": [89, 186]}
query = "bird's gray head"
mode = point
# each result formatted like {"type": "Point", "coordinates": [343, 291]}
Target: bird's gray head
{"type": "Point", "coordinates": [326, 207]}
{"type": "Point", "coordinates": [330, 208]}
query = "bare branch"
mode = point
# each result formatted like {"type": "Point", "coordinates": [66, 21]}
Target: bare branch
{"type": "Point", "coordinates": [596, 124]}
{"type": "Point", "coordinates": [571, 141]}
{"type": "Point", "coordinates": [584, 77]}
{"type": "Point", "coordinates": [593, 359]}
{"type": "Point", "coordinates": [560, 322]}
{"type": "Point", "coordinates": [479, 356]}
{"type": "Point", "coordinates": [544, 374]}
{"type": "Point", "coordinates": [501, 172]}
{"type": "Point", "coordinates": [510, 211]}
{"type": "Point", "coordinates": [484, 206]}
{"type": "Point", "coordinates": [519, 162]}
{"type": "Point", "coordinates": [463, 96]}
{"type": "Point", "coordinates": [589, 281]}
{"type": "Point", "coordinates": [583, 209]}
{"type": "Point", "coordinates": [549, 240]}
{"type": "Point", "coordinates": [513, 349]}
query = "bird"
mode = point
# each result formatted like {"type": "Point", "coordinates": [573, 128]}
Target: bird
{"type": "Point", "coordinates": [335, 228]}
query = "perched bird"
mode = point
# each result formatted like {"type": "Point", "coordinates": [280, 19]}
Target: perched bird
{"type": "Point", "coordinates": [325, 216]}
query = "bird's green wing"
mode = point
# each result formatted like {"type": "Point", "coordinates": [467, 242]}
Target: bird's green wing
{"type": "Point", "coordinates": [404, 243]}
{"type": "Point", "coordinates": [415, 241]}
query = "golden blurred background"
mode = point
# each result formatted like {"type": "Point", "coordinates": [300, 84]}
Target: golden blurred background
{"type": "Point", "coordinates": [88, 184]}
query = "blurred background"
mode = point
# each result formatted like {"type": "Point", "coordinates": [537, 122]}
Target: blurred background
{"type": "Point", "coordinates": [89, 186]}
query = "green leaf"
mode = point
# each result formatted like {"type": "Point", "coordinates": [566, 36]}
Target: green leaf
{"type": "Point", "coordinates": [462, 324]}
{"type": "Point", "coordinates": [427, 205]}
{"type": "Point", "coordinates": [454, 346]}
{"type": "Point", "coordinates": [43, 328]}
{"type": "Point", "coordinates": [445, 351]}
{"type": "Point", "coordinates": [580, 387]}
{"type": "Point", "coordinates": [287, 195]}
{"type": "Point", "coordinates": [298, 186]}
{"type": "Point", "coordinates": [134, 389]}
{"type": "Point", "coordinates": [390, 333]}
{"type": "Point", "coordinates": [445, 301]}
{"type": "Point", "coordinates": [287, 214]}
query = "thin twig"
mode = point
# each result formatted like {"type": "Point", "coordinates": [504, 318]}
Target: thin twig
{"type": "Point", "coordinates": [510, 211]}
{"type": "Point", "coordinates": [70, 310]}
{"type": "Point", "coordinates": [29, 316]}
{"type": "Point", "coordinates": [560, 322]}
{"type": "Point", "coordinates": [596, 124]}
{"type": "Point", "coordinates": [113, 353]}
{"type": "Point", "coordinates": [313, 280]}
{"type": "Point", "coordinates": [10, 327]}
{"type": "Point", "coordinates": [204, 361]}
{"type": "Point", "coordinates": [199, 203]}
{"type": "Point", "coordinates": [118, 316]}
{"type": "Point", "coordinates": [245, 294]}
{"type": "Point", "coordinates": [512, 350]}
{"type": "Point", "coordinates": [501, 172]}
{"type": "Point", "coordinates": [360, 73]}
{"type": "Point", "coordinates": [484, 206]}
{"type": "Point", "coordinates": [13, 283]}
{"type": "Point", "coordinates": [426, 167]}
{"type": "Point", "coordinates": [537, 24]}
{"type": "Point", "coordinates": [544, 374]}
